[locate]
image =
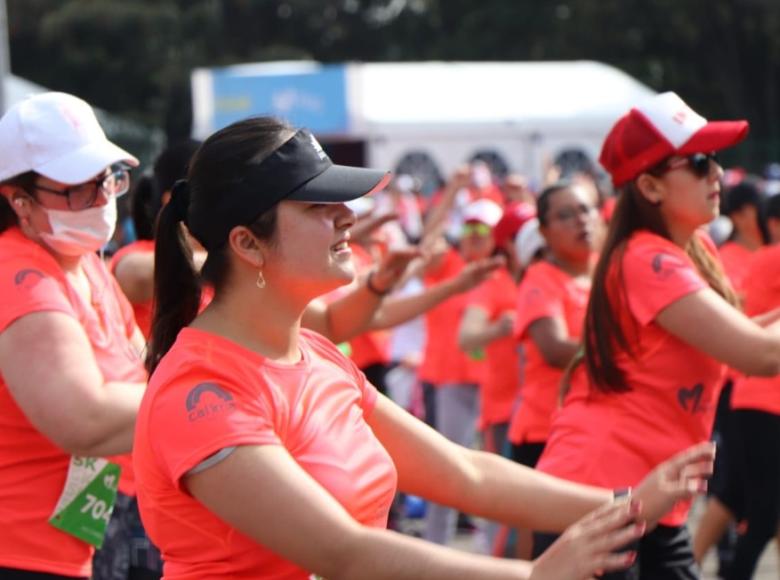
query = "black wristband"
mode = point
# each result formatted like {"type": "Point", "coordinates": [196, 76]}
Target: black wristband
{"type": "Point", "coordinates": [373, 289]}
{"type": "Point", "coordinates": [621, 493]}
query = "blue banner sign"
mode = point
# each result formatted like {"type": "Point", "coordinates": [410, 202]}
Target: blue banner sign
{"type": "Point", "coordinates": [315, 99]}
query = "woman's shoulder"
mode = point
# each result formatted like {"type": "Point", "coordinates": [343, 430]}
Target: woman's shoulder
{"type": "Point", "coordinates": [314, 341]}
{"type": "Point", "coordinates": [643, 240]}
{"type": "Point", "coordinates": [646, 248]}
{"type": "Point", "coordinates": [16, 247]}
{"type": "Point", "coordinates": [544, 272]}
{"type": "Point", "coordinates": [136, 247]}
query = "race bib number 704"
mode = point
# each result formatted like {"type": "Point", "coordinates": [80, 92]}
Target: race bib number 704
{"type": "Point", "coordinates": [87, 499]}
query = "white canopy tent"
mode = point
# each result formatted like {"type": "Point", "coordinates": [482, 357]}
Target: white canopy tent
{"type": "Point", "coordinates": [431, 116]}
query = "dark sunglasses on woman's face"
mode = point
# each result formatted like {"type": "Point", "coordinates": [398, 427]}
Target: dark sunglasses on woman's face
{"type": "Point", "coordinates": [698, 163]}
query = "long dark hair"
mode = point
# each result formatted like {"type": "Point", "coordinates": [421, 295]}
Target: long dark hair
{"type": "Point", "coordinates": [216, 169]}
{"type": "Point", "coordinates": [603, 338]}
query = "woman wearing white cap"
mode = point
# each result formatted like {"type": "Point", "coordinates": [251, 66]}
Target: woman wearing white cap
{"type": "Point", "coordinates": [262, 452]}
{"type": "Point", "coordinates": [660, 323]}
{"type": "Point", "coordinates": [71, 374]}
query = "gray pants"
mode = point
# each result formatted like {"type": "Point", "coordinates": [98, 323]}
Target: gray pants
{"type": "Point", "coordinates": [456, 418]}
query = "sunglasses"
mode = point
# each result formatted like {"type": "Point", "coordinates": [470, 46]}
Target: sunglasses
{"type": "Point", "coordinates": [699, 164]}
{"type": "Point", "coordinates": [476, 229]}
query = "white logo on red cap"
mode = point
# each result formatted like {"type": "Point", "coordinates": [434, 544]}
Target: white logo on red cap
{"type": "Point", "coordinates": [680, 117]}
{"type": "Point", "coordinates": [672, 118]}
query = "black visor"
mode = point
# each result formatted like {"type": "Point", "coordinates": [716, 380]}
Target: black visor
{"type": "Point", "coordinates": [299, 170]}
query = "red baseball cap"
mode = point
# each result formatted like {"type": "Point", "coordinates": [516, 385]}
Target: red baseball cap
{"type": "Point", "coordinates": [515, 215]}
{"type": "Point", "coordinates": [663, 126]}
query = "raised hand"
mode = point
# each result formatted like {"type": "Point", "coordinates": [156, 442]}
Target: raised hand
{"type": "Point", "coordinates": [588, 547]}
{"type": "Point", "coordinates": [392, 268]}
{"type": "Point", "coordinates": [678, 478]}
{"type": "Point", "coordinates": [475, 272]}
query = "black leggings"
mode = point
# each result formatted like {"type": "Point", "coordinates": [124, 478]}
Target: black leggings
{"type": "Point", "coordinates": [14, 574]}
{"type": "Point", "coordinates": [663, 554]}
{"type": "Point", "coordinates": [758, 434]}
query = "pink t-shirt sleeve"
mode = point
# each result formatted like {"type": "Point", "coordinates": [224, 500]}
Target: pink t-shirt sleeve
{"type": "Point", "coordinates": [657, 273]}
{"type": "Point", "coordinates": [538, 297]}
{"type": "Point", "coordinates": [193, 418]}
{"type": "Point", "coordinates": [26, 288]}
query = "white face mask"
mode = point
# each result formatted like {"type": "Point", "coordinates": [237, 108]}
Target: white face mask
{"type": "Point", "coordinates": [75, 233]}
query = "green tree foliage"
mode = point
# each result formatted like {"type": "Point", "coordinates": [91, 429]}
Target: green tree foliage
{"type": "Point", "coordinates": [134, 57]}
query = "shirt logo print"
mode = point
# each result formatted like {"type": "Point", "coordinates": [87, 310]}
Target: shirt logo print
{"type": "Point", "coordinates": [663, 266]}
{"type": "Point", "coordinates": [208, 400]}
{"type": "Point", "coordinates": [690, 399]}
{"type": "Point", "coordinates": [28, 277]}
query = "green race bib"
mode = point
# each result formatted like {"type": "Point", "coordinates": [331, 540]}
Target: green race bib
{"type": "Point", "coordinates": [87, 499]}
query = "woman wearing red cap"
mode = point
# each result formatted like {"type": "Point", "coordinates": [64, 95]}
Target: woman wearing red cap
{"type": "Point", "coordinates": [660, 323]}
{"type": "Point", "coordinates": [262, 452]}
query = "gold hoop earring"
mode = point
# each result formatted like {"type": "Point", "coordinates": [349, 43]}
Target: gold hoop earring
{"type": "Point", "coordinates": [260, 282]}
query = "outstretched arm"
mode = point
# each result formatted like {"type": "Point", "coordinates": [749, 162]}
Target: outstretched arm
{"type": "Point", "coordinates": [490, 486]}
{"type": "Point", "coordinates": [396, 310]}
{"type": "Point", "coordinates": [707, 322]}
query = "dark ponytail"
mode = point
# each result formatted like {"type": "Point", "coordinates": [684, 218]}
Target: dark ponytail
{"type": "Point", "coordinates": [177, 286]}
{"type": "Point", "coordinates": [142, 207]}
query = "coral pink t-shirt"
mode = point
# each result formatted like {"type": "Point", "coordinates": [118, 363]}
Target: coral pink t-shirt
{"type": "Point", "coordinates": [32, 468]}
{"type": "Point", "coordinates": [762, 294]}
{"type": "Point", "coordinates": [209, 393]}
{"type": "Point", "coordinates": [614, 440]}
{"type": "Point", "coordinates": [736, 260]}
{"type": "Point", "coordinates": [545, 292]}
{"type": "Point", "coordinates": [501, 382]}
{"type": "Point", "coordinates": [443, 361]}
{"type": "Point", "coordinates": [142, 310]}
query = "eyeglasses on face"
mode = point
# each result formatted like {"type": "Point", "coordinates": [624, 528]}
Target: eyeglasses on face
{"type": "Point", "coordinates": [84, 195]}
{"type": "Point", "coordinates": [700, 164]}
{"type": "Point", "coordinates": [476, 229]}
{"type": "Point", "coordinates": [568, 214]}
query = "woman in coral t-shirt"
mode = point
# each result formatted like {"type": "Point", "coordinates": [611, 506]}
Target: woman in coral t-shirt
{"type": "Point", "coordinates": [744, 206]}
{"type": "Point", "coordinates": [71, 373]}
{"type": "Point", "coordinates": [488, 324]}
{"type": "Point", "coordinates": [755, 420]}
{"type": "Point", "coordinates": [550, 310]}
{"type": "Point", "coordinates": [262, 452]}
{"type": "Point", "coordinates": [660, 323]}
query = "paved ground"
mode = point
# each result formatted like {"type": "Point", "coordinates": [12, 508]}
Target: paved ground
{"type": "Point", "coordinates": [768, 568]}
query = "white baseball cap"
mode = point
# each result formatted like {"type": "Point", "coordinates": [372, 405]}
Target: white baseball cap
{"type": "Point", "coordinates": [528, 242]}
{"type": "Point", "coordinates": [484, 211]}
{"type": "Point", "coordinates": [58, 136]}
